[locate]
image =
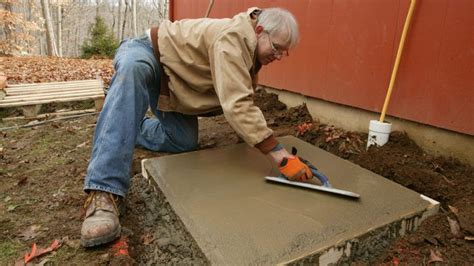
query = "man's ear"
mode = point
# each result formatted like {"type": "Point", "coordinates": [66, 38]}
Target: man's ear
{"type": "Point", "coordinates": [259, 29]}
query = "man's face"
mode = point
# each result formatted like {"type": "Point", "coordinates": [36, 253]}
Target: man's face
{"type": "Point", "coordinates": [270, 46]}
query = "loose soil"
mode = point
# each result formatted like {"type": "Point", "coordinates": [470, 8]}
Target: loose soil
{"type": "Point", "coordinates": [43, 169]}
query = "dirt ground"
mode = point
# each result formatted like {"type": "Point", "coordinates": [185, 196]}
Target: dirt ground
{"type": "Point", "coordinates": [43, 168]}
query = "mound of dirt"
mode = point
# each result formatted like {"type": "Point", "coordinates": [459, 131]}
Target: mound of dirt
{"type": "Point", "coordinates": [446, 180]}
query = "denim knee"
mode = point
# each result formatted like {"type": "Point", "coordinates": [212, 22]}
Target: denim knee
{"type": "Point", "coordinates": [135, 59]}
{"type": "Point", "coordinates": [190, 144]}
{"type": "Point", "coordinates": [182, 140]}
{"type": "Point", "coordinates": [135, 69]}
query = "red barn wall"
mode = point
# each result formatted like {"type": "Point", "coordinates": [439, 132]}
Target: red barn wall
{"type": "Point", "coordinates": [348, 48]}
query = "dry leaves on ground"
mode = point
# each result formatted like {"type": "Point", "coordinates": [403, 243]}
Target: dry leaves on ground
{"type": "Point", "coordinates": [35, 69]}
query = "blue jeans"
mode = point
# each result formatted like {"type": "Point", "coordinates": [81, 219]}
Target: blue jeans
{"type": "Point", "coordinates": [121, 124]}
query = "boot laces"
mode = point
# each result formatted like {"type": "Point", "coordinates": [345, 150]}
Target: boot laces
{"type": "Point", "coordinates": [114, 199]}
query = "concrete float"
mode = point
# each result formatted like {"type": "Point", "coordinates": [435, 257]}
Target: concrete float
{"type": "Point", "coordinates": [236, 217]}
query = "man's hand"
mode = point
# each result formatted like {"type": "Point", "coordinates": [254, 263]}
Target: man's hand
{"type": "Point", "coordinates": [291, 166]}
{"type": "Point", "coordinates": [296, 168]}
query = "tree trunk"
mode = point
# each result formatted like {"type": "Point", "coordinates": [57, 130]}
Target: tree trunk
{"type": "Point", "coordinates": [124, 18]}
{"type": "Point", "coordinates": [119, 20]}
{"type": "Point", "coordinates": [8, 23]}
{"type": "Point", "coordinates": [134, 17]}
{"type": "Point", "coordinates": [114, 18]}
{"type": "Point", "coordinates": [76, 43]}
{"type": "Point", "coordinates": [60, 29]}
{"type": "Point", "coordinates": [97, 8]}
{"type": "Point", "coordinates": [52, 51]}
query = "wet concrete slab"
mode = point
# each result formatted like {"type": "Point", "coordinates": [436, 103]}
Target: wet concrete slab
{"type": "Point", "coordinates": [236, 217]}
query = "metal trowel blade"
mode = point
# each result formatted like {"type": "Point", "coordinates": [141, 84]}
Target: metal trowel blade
{"type": "Point", "coordinates": [312, 186]}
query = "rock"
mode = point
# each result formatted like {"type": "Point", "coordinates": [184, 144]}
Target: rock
{"type": "Point", "coordinates": [163, 242]}
{"type": "Point", "coordinates": [163, 212]}
{"type": "Point", "coordinates": [171, 248]}
{"type": "Point", "coordinates": [416, 240]}
{"type": "Point", "coordinates": [104, 258]}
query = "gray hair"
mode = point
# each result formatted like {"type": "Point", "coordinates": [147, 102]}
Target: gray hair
{"type": "Point", "coordinates": [277, 19]}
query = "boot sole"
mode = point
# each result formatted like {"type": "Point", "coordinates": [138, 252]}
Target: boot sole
{"type": "Point", "coordinates": [87, 243]}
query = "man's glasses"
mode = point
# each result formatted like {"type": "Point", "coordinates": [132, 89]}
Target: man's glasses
{"type": "Point", "coordinates": [276, 52]}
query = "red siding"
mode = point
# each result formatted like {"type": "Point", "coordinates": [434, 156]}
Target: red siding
{"type": "Point", "coordinates": [348, 48]}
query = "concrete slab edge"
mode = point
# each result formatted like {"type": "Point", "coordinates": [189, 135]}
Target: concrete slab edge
{"type": "Point", "coordinates": [368, 245]}
{"type": "Point", "coordinates": [162, 197]}
{"type": "Point", "coordinates": [144, 172]}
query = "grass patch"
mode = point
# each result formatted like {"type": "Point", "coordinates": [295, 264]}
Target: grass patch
{"type": "Point", "coordinates": [7, 112]}
{"type": "Point", "coordinates": [9, 252]}
{"type": "Point", "coordinates": [62, 255]}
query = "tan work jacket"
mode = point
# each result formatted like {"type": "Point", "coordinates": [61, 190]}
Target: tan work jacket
{"type": "Point", "coordinates": [211, 64]}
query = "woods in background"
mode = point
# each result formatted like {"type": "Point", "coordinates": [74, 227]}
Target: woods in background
{"type": "Point", "coordinates": [63, 27]}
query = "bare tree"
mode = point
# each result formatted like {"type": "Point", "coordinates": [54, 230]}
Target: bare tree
{"type": "Point", "coordinates": [60, 31]}
{"type": "Point", "coordinates": [97, 8]}
{"type": "Point", "coordinates": [17, 34]}
{"type": "Point", "coordinates": [49, 29]}
{"type": "Point", "coordinates": [8, 24]}
{"type": "Point", "coordinates": [125, 18]}
{"type": "Point", "coordinates": [119, 20]}
{"type": "Point", "coordinates": [134, 17]}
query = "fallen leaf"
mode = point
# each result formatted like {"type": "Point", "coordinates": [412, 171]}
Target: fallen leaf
{"type": "Point", "coordinates": [447, 180]}
{"type": "Point", "coordinates": [11, 208]}
{"type": "Point", "coordinates": [82, 144]}
{"type": "Point", "coordinates": [147, 239]}
{"type": "Point", "coordinates": [22, 181]}
{"type": "Point", "coordinates": [435, 256]}
{"type": "Point", "coordinates": [35, 252]}
{"type": "Point", "coordinates": [453, 210]}
{"type": "Point", "coordinates": [454, 227]}
{"type": "Point", "coordinates": [7, 199]}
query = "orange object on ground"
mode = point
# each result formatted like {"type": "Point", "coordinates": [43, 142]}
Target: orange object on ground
{"type": "Point", "coordinates": [121, 246]}
{"type": "Point", "coordinates": [35, 252]}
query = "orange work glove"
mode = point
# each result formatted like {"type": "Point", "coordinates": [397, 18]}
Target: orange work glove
{"type": "Point", "coordinates": [294, 169]}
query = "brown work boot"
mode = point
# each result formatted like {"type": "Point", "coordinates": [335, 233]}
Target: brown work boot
{"type": "Point", "coordinates": [101, 224]}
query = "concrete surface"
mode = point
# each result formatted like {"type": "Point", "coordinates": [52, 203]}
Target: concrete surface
{"type": "Point", "coordinates": [236, 217]}
{"type": "Point", "coordinates": [433, 139]}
